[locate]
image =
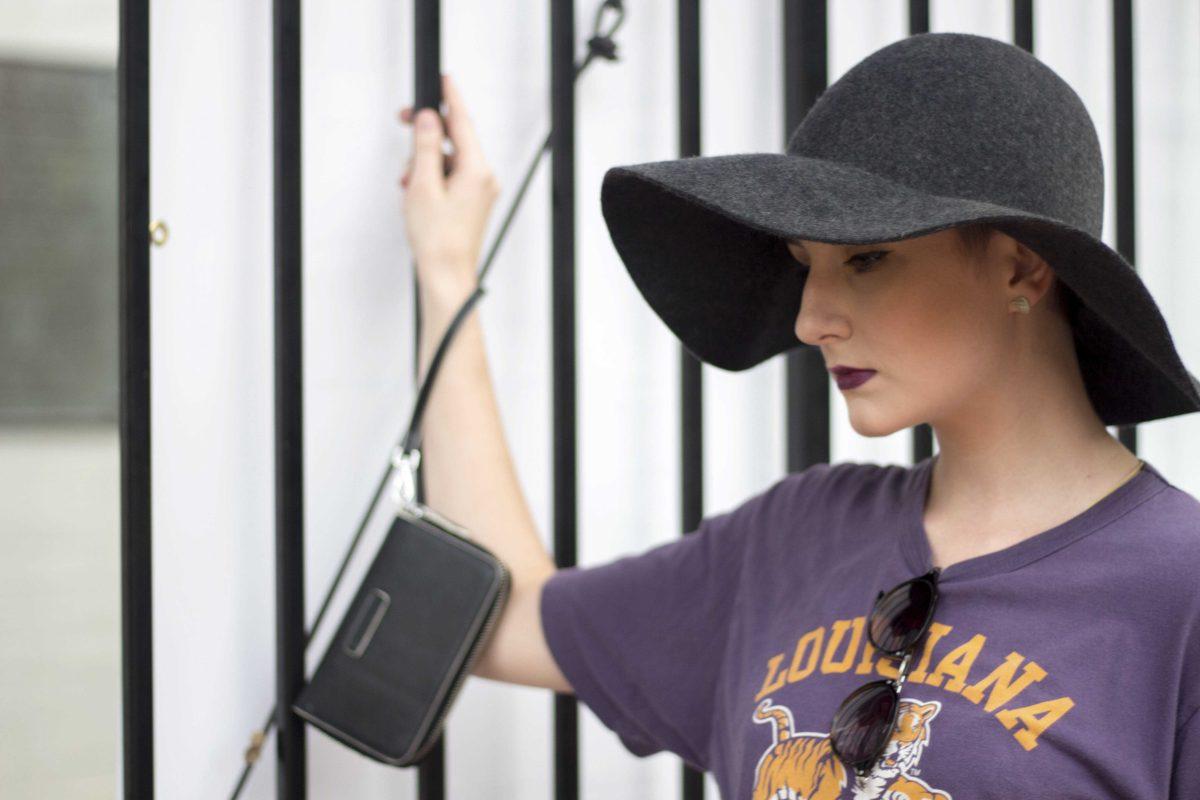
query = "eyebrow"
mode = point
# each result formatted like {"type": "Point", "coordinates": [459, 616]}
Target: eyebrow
{"type": "Point", "coordinates": [804, 249]}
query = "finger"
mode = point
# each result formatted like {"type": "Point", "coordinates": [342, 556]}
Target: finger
{"type": "Point", "coordinates": [461, 128]}
{"type": "Point", "coordinates": [404, 179]}
{"type": "Point", "coordinates": [405, 114]}
{"type": "Point", "coordinates": [428, 159]}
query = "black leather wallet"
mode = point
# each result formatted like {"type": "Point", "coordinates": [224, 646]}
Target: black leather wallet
{"type": "Point", "coordinates": [415, 628]}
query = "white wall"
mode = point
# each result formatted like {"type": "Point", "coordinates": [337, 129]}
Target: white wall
{"type": "Point", "coordinates": [71, 31]}
{"type": "Point", "coordinates": [212, 329]}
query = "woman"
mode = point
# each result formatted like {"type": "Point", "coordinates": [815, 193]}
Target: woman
{"type": "Point", "coordinates": [933, 227]}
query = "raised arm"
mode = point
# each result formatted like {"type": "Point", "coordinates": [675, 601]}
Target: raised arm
{"type": "Point", "coordinates": [468, 471]}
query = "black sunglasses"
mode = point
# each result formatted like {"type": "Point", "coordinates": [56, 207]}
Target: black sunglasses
{"type": "Point", "coordinates": [864, 721]}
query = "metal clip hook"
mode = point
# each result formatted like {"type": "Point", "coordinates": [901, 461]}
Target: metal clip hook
{"type": "Point", "coordinates": [404, 487]}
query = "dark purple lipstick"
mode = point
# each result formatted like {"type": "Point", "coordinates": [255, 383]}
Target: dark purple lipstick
{"type": "Point", "coordinates": [850, 377]}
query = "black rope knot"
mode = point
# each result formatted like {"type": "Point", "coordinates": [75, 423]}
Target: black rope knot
{"type": "Point", "coordinates": [603, 46]}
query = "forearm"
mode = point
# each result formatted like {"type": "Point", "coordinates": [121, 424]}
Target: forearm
{"type": "Point", "coordinates": [466, 466]}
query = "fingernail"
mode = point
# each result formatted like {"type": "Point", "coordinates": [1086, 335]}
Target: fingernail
{"type": "Point", "coordinates": [425, 118]}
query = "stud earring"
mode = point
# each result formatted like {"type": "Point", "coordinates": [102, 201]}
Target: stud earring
{"type": "Point", "coordinates": [1020, 304]}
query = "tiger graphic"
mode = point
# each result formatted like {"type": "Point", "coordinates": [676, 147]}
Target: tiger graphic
{"type": "Point", "coordinates": [803, 766]}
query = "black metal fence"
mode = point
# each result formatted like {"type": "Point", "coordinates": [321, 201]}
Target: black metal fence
{"type": "Point", "coordinates": [137, 644]}
{"type": "Point", "coordinates": [805, 46]}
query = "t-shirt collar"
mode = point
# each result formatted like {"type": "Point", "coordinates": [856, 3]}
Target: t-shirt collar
{"type": "Point", "coordinates": [918, 555]}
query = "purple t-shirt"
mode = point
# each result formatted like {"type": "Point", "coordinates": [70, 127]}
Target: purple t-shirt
{"type": "Point", "coordinates": [1066, 665]}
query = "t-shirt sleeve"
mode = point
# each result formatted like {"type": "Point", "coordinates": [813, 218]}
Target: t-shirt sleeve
{"type": "Point", "coordinates": [1185, 776]}
{"type": "Point", "coordinates": [642, 638]}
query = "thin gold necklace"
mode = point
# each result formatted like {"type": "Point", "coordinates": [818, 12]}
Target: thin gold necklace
{"type": "Point", "coordinates": [1125, 480]}
{"type": "Point", "coordinates": [1137, 467]}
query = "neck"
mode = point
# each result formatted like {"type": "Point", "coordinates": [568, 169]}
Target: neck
{"type": "Point", "coordinates": [1023, 464]}
{"type": "Point", "coordinates": [1028, 436]}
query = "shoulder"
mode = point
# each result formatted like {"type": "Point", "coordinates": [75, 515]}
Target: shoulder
{"type": "Point", "coordinates": [858, 483]}
{"type": "Point", "coordinates": [1166, 526]}
{"type": "Point", "coordinates": [1148, 554]}
{"type": "Point", "coordinates": [843, 476]}
{"type": "Point", "coordinates": [1164, 533]}
{"type": "Point", "coordinates": [827, 498]}
{"type": "Point", "coordinates": [811, 489]}
{"type": "Point", "coordinates": [818, 500]}
{"type": "Point", "coordinates": [1178, 510]}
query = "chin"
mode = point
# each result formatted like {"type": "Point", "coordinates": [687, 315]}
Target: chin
{"type": "Point", "coordinates": [872, 424]}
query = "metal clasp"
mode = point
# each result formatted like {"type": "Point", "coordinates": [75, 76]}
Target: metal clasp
{"type": "Point", "coordinates": [404, 487]}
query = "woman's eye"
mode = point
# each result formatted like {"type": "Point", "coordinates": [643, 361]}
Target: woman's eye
{"type": "Point", "coordinates": [867, 260]}
{"type": "Point", "coordinates": [863, 262]}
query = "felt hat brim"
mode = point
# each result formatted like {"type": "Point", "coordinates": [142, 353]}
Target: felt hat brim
{"type": "Point", "coordinates": [703, 239]}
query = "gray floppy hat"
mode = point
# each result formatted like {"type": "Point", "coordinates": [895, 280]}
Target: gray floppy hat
{"type": "Point", "coordinates": [932, 131]}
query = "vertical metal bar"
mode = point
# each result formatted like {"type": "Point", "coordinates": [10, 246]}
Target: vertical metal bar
{"type": "Point", "coordinates": [427, 92]}
{"type": "Point", "coordinates": [922, 433]}
{"type": "Point", "coordinates": [918, 16]}
{"type": "Point", "coordinates": [562, 191]}
{"type": "Point", "coordinates": [806, 73]}
{"type": "Point", "coordinates": [1023, 24]}
{"type": "Point", "coordinates": [291, 772]}
{"type": "Point", "coordinates": [691, 398]}
{"type": "Point", "coordinates": [137, 646]}
{"type": "Point", "coordinates": [1125, 196]}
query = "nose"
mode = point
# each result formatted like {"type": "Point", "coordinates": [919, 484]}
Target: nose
{"type": "Point", "coordinates": [820, 318]}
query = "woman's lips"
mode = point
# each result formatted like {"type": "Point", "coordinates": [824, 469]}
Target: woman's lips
{"type": "Point", "coordinates": [853, 379]}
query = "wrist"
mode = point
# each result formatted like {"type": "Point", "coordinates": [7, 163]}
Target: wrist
{"type": "Point", "coordinates": [445, 292]}
{"type": "Point", "coordinates": [440, 304]}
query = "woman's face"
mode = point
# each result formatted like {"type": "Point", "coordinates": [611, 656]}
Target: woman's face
{"type": "Point", "coordinates": [933, 326]}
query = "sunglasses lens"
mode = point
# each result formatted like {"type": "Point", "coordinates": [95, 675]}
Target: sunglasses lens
{"type": "Point", "coordinates": [863, 722]}
{"type": "Point", "coordinates": [900, 615]}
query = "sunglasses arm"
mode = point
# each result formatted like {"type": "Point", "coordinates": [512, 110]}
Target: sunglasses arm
{"type": "Point", "coordinates": [903, 671]}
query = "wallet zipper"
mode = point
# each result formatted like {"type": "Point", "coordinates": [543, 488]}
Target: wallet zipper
{"type": "Point", "coordinates": [439, 719]}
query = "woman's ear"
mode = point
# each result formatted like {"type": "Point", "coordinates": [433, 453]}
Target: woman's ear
{"type": "Point", "coordinates": [1027, 273]}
